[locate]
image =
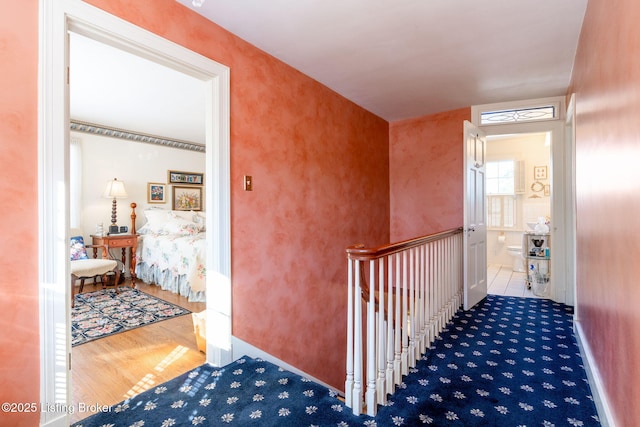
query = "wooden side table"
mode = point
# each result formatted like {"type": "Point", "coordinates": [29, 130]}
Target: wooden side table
{"type": "Point", "coordinates": [124, 241]}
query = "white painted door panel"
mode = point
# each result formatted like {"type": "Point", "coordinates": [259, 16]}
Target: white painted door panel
{"type": "Point", "coordinates": [475, 228]}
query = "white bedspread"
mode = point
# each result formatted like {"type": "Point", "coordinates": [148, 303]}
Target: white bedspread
{"type": "Point", "coordinates": [178, 262]}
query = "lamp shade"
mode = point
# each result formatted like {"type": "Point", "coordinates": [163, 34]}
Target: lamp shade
{"type": "Point", "coordinates": [115, 190]}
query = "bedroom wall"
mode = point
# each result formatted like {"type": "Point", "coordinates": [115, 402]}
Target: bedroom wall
{"type": "Point", "coordinates": [606, 81]}
{"type": "Point", "coordinates": [425, 174]}
{"type": "Point", "coordinates": [320, 183]}
{"type": "Point", "coordinates": [105, 158]}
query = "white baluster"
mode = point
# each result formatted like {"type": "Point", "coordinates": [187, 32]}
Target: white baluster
{"type": "Point", "coordinates": [390, 332]}
{"type": "Point", "coordinates": [381, 355]}
{"type": "Point", "coordinates": [371, 343]}
{"type": "Point", "coordinates": [422, 302]}
{"type": "Point", "coordinates": [397, 362]}
{"type": "Point", "coordinates": [348, 384]}
{"type": "Point", "coordinates": [405, 316]}
{"type": "Point", "coordinates": [357, 350]}
{"type": "Point", "coordinates": [430, 292]}
{"type": "Point", "coordinates": [411, 350]}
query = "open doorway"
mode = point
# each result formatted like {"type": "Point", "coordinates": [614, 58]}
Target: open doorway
{"type": "Point", "coordinates": [132, 119]}
{"type": "Point", "coordinates": [518, 199]}
{"type": "Point", "coordinates": [57, 21]}
{"type": "Point", "coordinates": [545, 116]}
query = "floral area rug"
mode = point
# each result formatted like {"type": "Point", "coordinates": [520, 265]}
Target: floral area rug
{"type": "Point", "coordinates": [102, 313]}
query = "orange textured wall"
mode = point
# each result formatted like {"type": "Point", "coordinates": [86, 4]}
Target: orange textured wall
{"type": "Point", "coordinates": [320, 183]}
{"type": "Point", "coordinates": [606, 82]}
{"type": "Point", "coordinates": [425, 174]}
{"type": "Point", "coordinates": [19, 340]}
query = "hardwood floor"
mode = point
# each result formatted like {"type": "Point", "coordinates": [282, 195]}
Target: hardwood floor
{"type": "Point", "coordinates": [109, 370]}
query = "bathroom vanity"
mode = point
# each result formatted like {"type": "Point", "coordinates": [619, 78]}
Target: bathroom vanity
{"type": "Point", "coordinates": [537, 254]}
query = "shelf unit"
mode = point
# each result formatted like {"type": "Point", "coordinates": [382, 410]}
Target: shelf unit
{"type": "Point", "coordinates": [537, 251]}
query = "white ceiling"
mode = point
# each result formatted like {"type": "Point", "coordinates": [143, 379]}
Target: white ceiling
{"type": "Point", "coordinates": [398, 59]}
{"type": "Point", "coordinates": [111, 87]}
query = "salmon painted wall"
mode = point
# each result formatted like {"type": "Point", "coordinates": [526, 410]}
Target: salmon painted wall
{"type": "Point", "coordinates": [320, 183]}
{"type": "Point", "coordinates": [19, 341]}
{"type": "Point", "coordinates": [425, 174]}
{"type": "Point", "coordinates": [606, 81]}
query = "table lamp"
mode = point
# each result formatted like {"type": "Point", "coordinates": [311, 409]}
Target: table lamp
{"type": "Point", "coordinates": [114, 190]}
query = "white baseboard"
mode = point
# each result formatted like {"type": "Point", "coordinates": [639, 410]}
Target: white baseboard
{"type": "Point", "coordinates": [59, 421]}
{"type": "Point", "coordinates": [242, 348]}
{"type": "Point", "coordinates": [595, 381]}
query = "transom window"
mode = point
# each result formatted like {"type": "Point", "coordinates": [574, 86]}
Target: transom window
{"type": "Point", "coordinates": [546, 112]}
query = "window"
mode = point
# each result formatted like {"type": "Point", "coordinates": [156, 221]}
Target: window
{"type": "Point", "coordinates": [501, 201]}
{"type": "Point", "coordinates": [502, 212]}
{"type": "Point", "coordinates": [500, 177]}
{"type": "Point", "coordinates": [547, 112]}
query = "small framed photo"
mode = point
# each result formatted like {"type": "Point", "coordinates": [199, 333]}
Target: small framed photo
{"type": "Point", "coordinates": [187, 198]}
{"type": "Point", "coordinates": [539, 172]}
{"type": "Point", "coordinates": [156, 192]}
{"type": "Point", "coordinates": [189, 178]}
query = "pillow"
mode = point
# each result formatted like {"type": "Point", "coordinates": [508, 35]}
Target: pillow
{"type": "Point", "coordinates": [78, 251]}
{"type": "Point", "coordinates": [200, 220]}
{"type": "Point", "coordinates": [188, 215]}
{"type": "Point", "coordinates": [180, 227]}
{"type": "Point", "coordinates": [156, 220]}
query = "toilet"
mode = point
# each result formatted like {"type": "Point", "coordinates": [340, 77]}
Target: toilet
{"type": "Point", "coordinates": [518, 260]}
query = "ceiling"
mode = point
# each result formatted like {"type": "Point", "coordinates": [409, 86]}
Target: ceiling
{"type": "Point", "coordinates": [397, 59]}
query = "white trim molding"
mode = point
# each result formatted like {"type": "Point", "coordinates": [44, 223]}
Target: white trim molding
{"type": "Point", "coordinates": [242, 348]}
{"type": "Point", "coordinates": [57, 19]}
{"type": "Point", "coordinates": [95, 129]}
{"type": "Point", "coordinates": [595, 380]}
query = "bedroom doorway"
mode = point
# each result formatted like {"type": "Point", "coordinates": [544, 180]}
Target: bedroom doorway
{"type": "Point", "coordinates": [159, 115]}
{"type": "Point", "coordinates": [58, 19]}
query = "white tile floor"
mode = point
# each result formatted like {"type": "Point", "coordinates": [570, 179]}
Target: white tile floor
{"type": "Point", "coordinates": [502, 280]}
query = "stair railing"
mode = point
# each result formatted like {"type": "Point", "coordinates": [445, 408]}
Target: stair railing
{"type": "Point", "coordinates": [404, 293]}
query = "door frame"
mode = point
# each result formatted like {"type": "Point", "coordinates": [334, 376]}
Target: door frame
{"type": "Point", "coordinates": [57, 18]}
{"type": "Point", "coordinates": [562, 198]}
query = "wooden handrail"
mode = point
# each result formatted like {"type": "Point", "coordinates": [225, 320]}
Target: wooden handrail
{"type": "Point", "coordinates": [362, 253]}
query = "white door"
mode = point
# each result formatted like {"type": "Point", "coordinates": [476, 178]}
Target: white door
{"type": "Point", "coordinates": [475, 227]}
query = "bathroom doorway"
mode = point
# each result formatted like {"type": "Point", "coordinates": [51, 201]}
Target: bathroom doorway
{"type": "Point", "coordinates": [518, 198]}
{"type": "Point", "coordinates": [540, 116]}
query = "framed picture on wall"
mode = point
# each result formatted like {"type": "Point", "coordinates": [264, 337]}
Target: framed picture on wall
{"type": "Point", "coordinates": [156, 192]}
{"type": "Point", "coordinates": [189, 178]}
{"type": "Point", "coordinates": [539, 172]}
{"type": "Point", "coordinates": [187, 198]}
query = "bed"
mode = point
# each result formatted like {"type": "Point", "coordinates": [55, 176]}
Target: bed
{"type": "Point", "coordinates": [171, 252]}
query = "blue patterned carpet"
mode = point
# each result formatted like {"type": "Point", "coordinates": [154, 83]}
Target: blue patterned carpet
{"type": "Point", "coordinates": [103, 313]}
{"type": "Point", "coordinates": [507, 362]}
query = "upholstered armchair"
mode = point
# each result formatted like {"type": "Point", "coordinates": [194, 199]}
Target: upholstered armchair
{"type": "Point", "coordinates": [83, 267]}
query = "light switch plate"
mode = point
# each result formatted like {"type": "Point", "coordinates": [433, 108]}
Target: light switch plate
{"type": "Point", "coordinates": [248, 183]}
